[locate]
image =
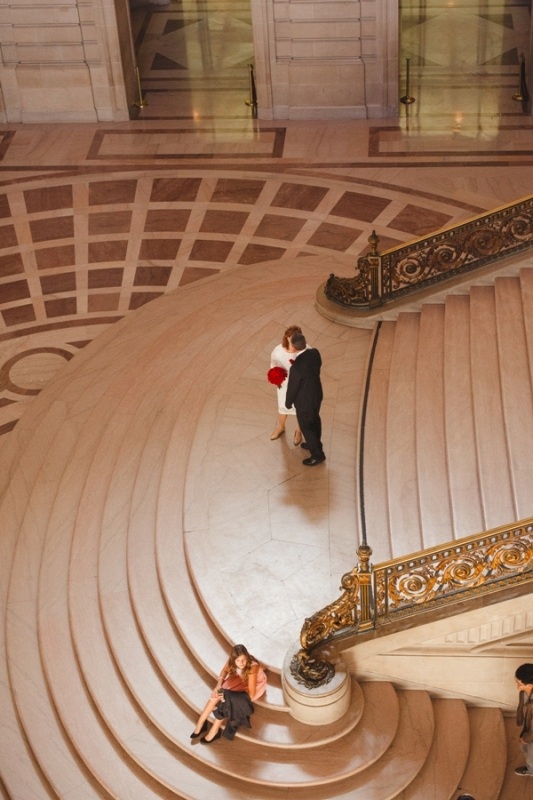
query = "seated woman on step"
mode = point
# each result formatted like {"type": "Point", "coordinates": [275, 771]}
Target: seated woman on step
{"type": "Point", "coordinates": [241, 681]}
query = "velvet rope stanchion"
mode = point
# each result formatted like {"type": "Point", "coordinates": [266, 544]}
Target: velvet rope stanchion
{"type": "Point", "coordinates": [252, 100]}
{"type": "Point", "coordinates": [407, 99]}
{"type": "Point", "coordinates": [141, 102]}
{"type": "Point", "coordinates": [522, 95]}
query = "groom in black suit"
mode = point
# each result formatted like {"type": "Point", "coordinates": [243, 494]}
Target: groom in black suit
{"type": "Point", "coordinates": [304, 392]}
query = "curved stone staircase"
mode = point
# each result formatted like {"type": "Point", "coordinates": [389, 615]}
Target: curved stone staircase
{"type": "Point", "coordinates": [450, 419]}
{"type": "Point", "coordinates": [120, 599]}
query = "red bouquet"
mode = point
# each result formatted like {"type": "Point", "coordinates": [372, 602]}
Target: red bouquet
{"type": "Point", "coordinates": [277, 375]}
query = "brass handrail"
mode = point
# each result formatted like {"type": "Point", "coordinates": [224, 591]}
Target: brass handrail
{"type": "Point", "coordinates": [374, 596]}
{"type": "Point", "coordinates": [443, 255]}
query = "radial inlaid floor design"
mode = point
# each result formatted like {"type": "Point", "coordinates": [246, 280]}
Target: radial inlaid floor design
{"type": "Point", "coordinates": [194, 206]}
{"type": "Point", "coordinates": [78, 255]}
{"type": "Point", "coordinates": [98, 223]}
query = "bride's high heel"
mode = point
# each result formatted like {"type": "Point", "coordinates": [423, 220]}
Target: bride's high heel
{"type": "Point", "coordinates": [297, 437]}
{"type": "Point", "coordinates": [203, 730]}
{"type": "Point", "coordinates": [277, 433]}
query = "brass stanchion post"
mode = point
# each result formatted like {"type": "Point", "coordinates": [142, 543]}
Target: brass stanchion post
{"type": "Point", "coordinates": [141, 102]}
{"type": "Point", "coordinates": [252, 101]}
{"type": "Point", "coordinates": [522, 94]}
{"type": "Point", "coordinates": [407, 98]}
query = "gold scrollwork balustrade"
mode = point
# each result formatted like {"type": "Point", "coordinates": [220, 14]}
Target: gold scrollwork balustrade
{"type": "Point", "coordinates": [466, 568]}
{"type": "Point", "coordinates": [375, 596]}
{"type": "Point", "coordinates": [443, 255]}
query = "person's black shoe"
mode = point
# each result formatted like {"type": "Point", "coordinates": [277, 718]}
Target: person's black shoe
{"type": "Point", "coordinates": [523, 771]}
{"type": "Point", "coordinates": [304, 446]}
{"type": "Point", "coordinates": [217, 735]}
{"type": "Point", "coordinates": [311, 462]}
{"type": "Point", "coordinates": [202, 730]}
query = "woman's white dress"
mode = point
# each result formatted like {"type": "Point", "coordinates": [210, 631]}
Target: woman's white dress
{"type": "Point", "coordinates": [282, 358]}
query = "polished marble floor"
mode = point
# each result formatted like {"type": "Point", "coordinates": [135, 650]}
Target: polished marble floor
{"type": "Point", "coordinates": [98, 220]}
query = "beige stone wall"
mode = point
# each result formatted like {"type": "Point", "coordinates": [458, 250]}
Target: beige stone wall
{"type": "Point", "coordinates": [61, 61]}
{"type": "Point", "coordinates": [326, 58]}
{"type": "Point", "coordinates": [73, 61]}
{"type": "Point", "coordinates": [473, 655]}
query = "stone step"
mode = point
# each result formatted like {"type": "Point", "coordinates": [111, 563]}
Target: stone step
{"type": "Point", "coordinates": [517, 399]}
{"type": "Point", "coordinates": [431, 460]}
{"type": "Point", "coordinates": [465, 490]}
{"type": "Point", "coordinates": [491, 443]}
{"type": "Point", "coordinates": [485, 768]}
{"type": "Point", "coordinates": [400, 429]}
{"type": "Point", "coordinates": [440, 774]}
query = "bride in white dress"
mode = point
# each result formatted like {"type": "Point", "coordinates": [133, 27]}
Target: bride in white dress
{"type": "Point", "coordinates": [281, 357]}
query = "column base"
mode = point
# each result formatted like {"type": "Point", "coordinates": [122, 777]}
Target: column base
{"type": "Point", "coordinates": [321, 705]}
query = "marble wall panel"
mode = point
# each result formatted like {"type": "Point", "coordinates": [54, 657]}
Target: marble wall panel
{"type": "Point", "coordinates": [47, 91]}
{"type": "Point", "coordinates": [72, 38]}
{"type": "Point", "coordinates": [45, 35]}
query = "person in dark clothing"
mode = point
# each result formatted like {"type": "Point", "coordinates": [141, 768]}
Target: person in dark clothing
{"type": "Point", "coordinates": [524, 715]}
{"type": "Point", "coordinates": [304, 392]}
{"type": "Point", "coordinates": [241, 681]}
{"type": "Point", "coordinates": [236, 708]}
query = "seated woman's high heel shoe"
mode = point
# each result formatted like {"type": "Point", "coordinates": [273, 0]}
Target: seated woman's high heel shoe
{"type": "Point", "coordinates": [217, 735]}
{"type": "Point", "coordinates": [203, 730]}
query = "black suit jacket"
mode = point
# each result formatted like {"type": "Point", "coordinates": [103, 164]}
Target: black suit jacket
{"type": "Point", "coordinates": [304, 389]}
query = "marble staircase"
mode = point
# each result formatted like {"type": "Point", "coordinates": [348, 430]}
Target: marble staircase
{"type": "Point", "coordinates": [449, 427]}
{"type": "Point", "coordinates": [110, 637]}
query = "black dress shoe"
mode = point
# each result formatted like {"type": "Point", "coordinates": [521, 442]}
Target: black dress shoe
{"type": "Point", "coordinates": [217, 735]}
{"type": "Point", "coordinates": [203, 730]}
{"type": "Point", "coordinates": [311, 462]}
{"type": "Point", "coordinates": [304, 446]}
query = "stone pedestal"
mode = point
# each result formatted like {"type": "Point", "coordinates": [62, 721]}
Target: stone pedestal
{"type": "Point", "coordinates": [322, 705]}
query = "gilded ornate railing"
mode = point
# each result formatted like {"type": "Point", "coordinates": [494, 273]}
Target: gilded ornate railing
{"type": "Point", "coordinates": [424, 262]}
{"type": "Point", "coordinates": [376, 596]}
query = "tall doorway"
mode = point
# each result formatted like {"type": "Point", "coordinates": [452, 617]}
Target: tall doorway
{"type": "Point", "coordinates": [464, 59]}
{"type": "Point", "coordinates": [193, 58]}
